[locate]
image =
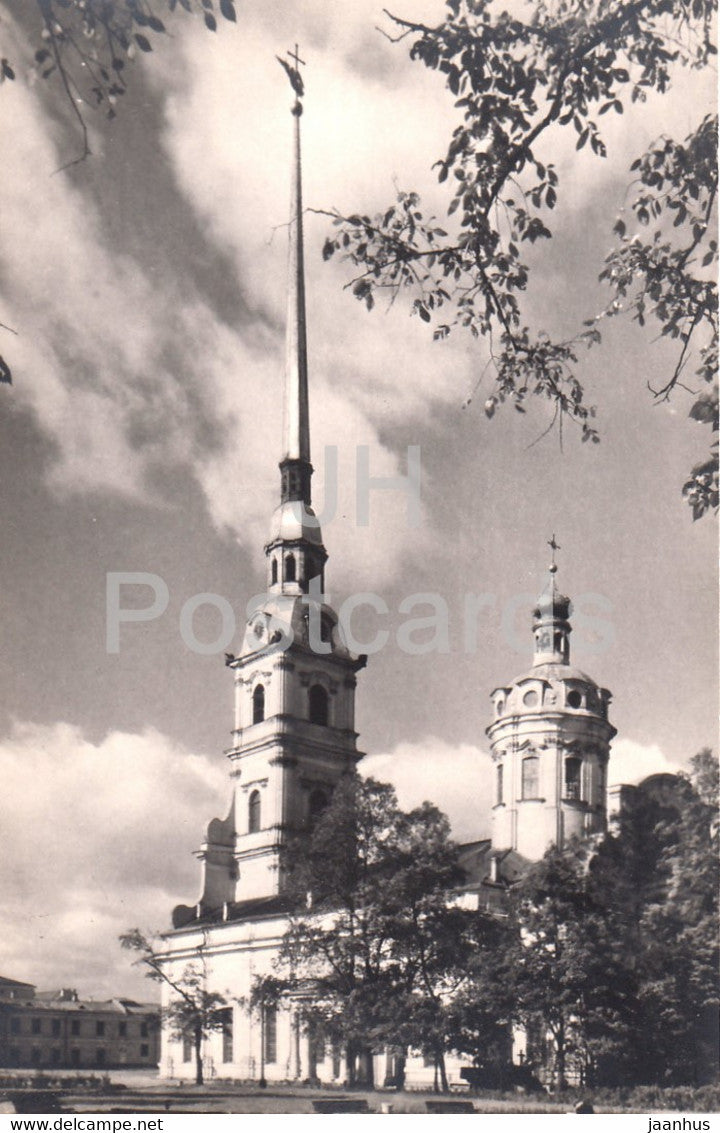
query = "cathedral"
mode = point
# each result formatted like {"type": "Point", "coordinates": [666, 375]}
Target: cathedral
{"type": "Point", "coordinates": [294, 737]}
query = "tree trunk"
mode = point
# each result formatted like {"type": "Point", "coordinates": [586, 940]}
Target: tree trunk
{"type": "Point", "coordinates": [443, 1072]}
{"type": "Point", "coordinates": [197, 1035]}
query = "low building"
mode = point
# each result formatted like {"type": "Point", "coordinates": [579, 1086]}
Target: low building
{"type": "Point", "coordinates": [57, 1029]}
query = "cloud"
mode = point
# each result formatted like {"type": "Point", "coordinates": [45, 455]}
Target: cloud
{"type": "Point", "coordinates": [457, 778]}
{"type": "Point", "coordinates": [630, 762]}
{"type": "Point", "coordinates": [99, 838]}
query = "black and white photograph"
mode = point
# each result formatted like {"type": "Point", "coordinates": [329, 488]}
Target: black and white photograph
{"type": "Point", "coordinates": [358, 560]}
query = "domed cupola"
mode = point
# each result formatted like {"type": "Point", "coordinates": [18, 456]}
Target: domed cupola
{"type": "Point", "coordinates": [550, 741]}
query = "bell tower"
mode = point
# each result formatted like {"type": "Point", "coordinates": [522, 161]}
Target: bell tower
{"type": "Point", "coordinates": [294, 730]}
{"type": "Point", "coordinates": [550, 741]}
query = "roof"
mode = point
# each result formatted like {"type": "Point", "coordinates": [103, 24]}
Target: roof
{"type": "Point", "coordinates": [6, 982]}
{"type": "Point", "coordinates": [186, 916]}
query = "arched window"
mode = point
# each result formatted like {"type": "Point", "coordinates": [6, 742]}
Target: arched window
{"type": "Point", "coordinates": [254, 812]}
{"type": "Point", "coordinates": [499, 783]}
{"type": "Point", "coordinates": [258, 704]}
{"type": "Point", "coordinates": [289, 568]}
{"type": "Point", "coordinates": [316, 805]}
{"type": "Point", "coordinates": [573, 769]}
{"type": "Point", "coordinates": [318, 700]}
{"type": "Point", "coordinates": [530, 784]}
{"type": "Point", "coordinates": [273, 571]}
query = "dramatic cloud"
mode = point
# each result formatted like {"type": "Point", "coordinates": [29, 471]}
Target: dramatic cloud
{"type": "Point", "coordinates": [99, 838]}
{"type": "Point", "coordinates": [630, 762]}
{"type": "Point", "coordinates": [457, 778]}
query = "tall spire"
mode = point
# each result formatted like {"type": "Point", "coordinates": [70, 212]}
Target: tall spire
{"type": "Point", "coordinates": [295, 466]}
{"type": "Point", "coordinates": [551, 626]}
{"type": "Point", "coordinates": [295, 552]}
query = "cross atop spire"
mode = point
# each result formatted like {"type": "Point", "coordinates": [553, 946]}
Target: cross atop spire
{"type": "Point", "coordinates": [293, 73]}
{"type": "Point", "coordinates": [554, 546]}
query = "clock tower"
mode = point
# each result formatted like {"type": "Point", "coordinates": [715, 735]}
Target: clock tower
{"type": "Point", "coordinates": [294, 733]}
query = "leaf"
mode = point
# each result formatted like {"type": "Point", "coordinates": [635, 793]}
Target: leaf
{"type": "Point", "coordinates": [227, 8]}
{"type": "Point", "coordinates": [142, 42]}
{"type": "Point", "coordinates": [423, 312]}
{"type": "Point", "coordinates": [156, 24]}
{"type": "Point", "coordinates": [328, 249]}
{"type": "Point", "coordinates": [582, 139]}
{"type": "Point", "coordinates": [210, 21]}
{"type": "Point", "coordinates": [5, 372]}
{"type": "Point", "coordinates": [7, 70]}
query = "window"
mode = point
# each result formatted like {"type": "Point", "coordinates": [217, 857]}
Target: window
{"type": "Point", "coordinates": [75, 1027]}
{"type": "Point", "coordinates": [270, 1034]}
{"type": "Point", "coordinates": [143, 1030]}
{"type": "Point", "coordinates": [36, 1027]}
{"type": "Point", "coordinates": [574, 698]}
{"type": "Point", "coordinates": [227, 1034]}
{"type": "Point", "coordinates": [530, 777]}
{"type": "Point", "coordinates": [100, 1056]}
{"type": "Point", "coordinates": [289, 568]}
{"type": "Point", "coordinates": [318, 700]}
{"type": "Point", "coordinates": [14, 1026]}
{"type": "Point", "coordinates": [573, 770]}
{"type": "Point", "coordinates": [499, 783]}
{"type": "Point", "coordinates": [55, 1056]}
{"type": "Point", "coordinates": [316, 805]}
{"type": "Point", "coordinates": [35, 1056]}
{"type": "Point", "coordinates": [187, 1048]}
{"type": "Point", "coordinates": [122, 1030]}
{"type": "Point", "coordinates": [258, 704]}
{"type": "Point", "coordinates": [273, 571]}
{"type": "Point", "coordinates": [254, 812]}
{"type": "Point", "coordinates": [56, 1027]}
{"type": "Point", "coordinates": [144, 1050]}
{"type": "Point", "coordinates": [531, 698]}
{"type": "Point", "coordinates": [99, 1028]}
{"type": "Point", "coordinates": [74, 1057]}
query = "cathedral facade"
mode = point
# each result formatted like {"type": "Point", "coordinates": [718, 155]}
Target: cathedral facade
{"type": "Point", "coordinates": [294, 737]}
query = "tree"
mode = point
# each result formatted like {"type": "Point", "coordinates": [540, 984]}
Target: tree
{"type": "Point", "coordinates": [376, 938]}
{"type": "Point", "coordinates": [192, 1012]}
{"type": "Point", "coordinates": [570, 973]}
{"type": "Point", "coordinates": [517, 82]}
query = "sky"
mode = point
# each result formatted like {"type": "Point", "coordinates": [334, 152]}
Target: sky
{"type": "Point", "coordinates": [142, 433]}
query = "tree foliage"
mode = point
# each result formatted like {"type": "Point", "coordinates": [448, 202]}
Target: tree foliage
{"type": "Point", "coordinates": [516, 82]}
{"type": "Point", "coordinates": [193, 1012]}
{"type": "Point", "coordinates": [381, 942]}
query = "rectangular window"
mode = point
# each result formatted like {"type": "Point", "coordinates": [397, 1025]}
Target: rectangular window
{"type": "Point", "coordinates": [56, 1027]}
{"type": "Point", "coordinates": [36, 1027]}
{"type": "Point", "coordinates": [143, 1030]}
{"type": "Point", "coordinates": [35, 1056]}
{"type": "Point", "coordinates": [75, 1057]}
{"type": "Point", "coordinates": [227, 1034]}
{"type": "Point", "coordinates": [99, 1028]}
{"type": "Point", "coordinates": [499, 783]}
{"type": "Point", "coordinates": [14, 1026]}
{"type": "Point", "coordinates": [530, 779]}
{"type": "Point", "coordinates": [187, 1048]}
{"type": "Point", "coordinates": [75, 1027]}
{"type": "Point", "coordinates": [144, 1050]}
{"type": "Point", "coordinates": [100, 1056]}
{"type": "Point", "coordinates": [55, 1056]}
{"type": "Point", "coordinates": [573, 771]}
{"type": "Point", "coordinates": [270, 1034]}
{"type": "Point", "coordinates": [122, 1030]}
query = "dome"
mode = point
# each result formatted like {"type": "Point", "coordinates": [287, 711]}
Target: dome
{"type": "Point", "coordinates": [552, 605]}
{"type": "Point", "coordinates": [294, 521]}
{"type": "Point", "coordinates": [554, 671]}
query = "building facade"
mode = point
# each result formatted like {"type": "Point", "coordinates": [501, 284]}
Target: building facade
{"type": "Point", "coordinates": [56, 1030]}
